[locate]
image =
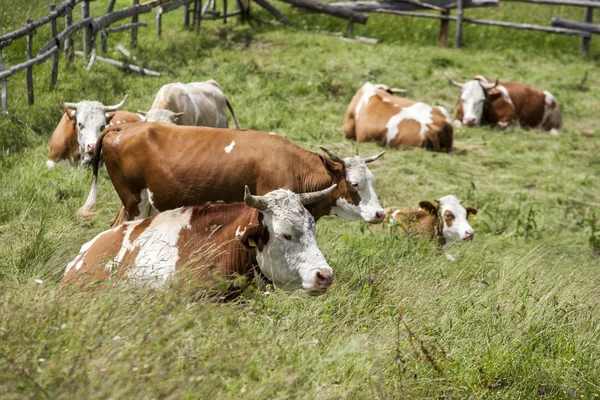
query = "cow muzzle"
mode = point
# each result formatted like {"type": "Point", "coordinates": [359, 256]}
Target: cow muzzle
{"type": "Point", "coordinates": [322, 280]}
{"type": "Point", "coordinates": [379, 217]}
{"type": "Point", "coordinates": [469, 235]}
{"type": "Point", "coordinates": [91, 148]}
{"type": "Point", "coordinates": [470, 121]}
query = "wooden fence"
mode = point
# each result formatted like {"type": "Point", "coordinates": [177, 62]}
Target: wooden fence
{"type": "Point", "coordinates": [92, 28]}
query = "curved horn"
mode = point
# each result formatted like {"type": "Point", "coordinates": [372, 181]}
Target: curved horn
{"type": "Point", "coordinates": [258, 202]}
{"type": "Point", "coordinates": [142, 112]}
{"type": "Point", "coordinates": [313, 197]}
{"type": "Point", "coordinates": [332, 155]}
{"type": "Point", "coordinates": [489, 86]}
{"type": "Point", "coordinates": [373, 158]}
{"type": "Point", "coordinates": [453, 82]}
{"type": "Point", "coordinates": [71, 106]}
{"type": "Point", "coordinates": [396, 90]}
{"type": "Point", "coordinates": [117, 106]}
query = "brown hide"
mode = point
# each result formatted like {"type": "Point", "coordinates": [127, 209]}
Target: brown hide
{"type": "Point", "coordinates": [64, 144]}
{"type": "Point", "coordinates": [209, 250]}
{"type": "Point", "coordinates": [419, 221]}
{"type": "Point", "coordinates": [122, 117]}
{"type": "Point", "coordinates": [375, 115]}
{"type": "Point", "coordinates": [184, 166]}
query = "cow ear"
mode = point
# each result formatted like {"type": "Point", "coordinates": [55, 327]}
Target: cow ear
{"type": "Point", "coordinates": [470, 211]}
{"type": "Point", "coordinates": [427, 206]}
{"type": "Point", "coordinates": [493, 94]}
{"type": "Point", "coordinates": [109, 116]}
{"type": "Point", "coordinates": [252, 237]}
{"type": "Point", "coordinates": [331, 166]}
{"type": "Point", "coordinates": [70, 113]}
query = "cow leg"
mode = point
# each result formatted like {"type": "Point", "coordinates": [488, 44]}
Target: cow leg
{"type": "Point", "coordinates": [144, 205]}
{"type": "Point", "coordinates": [119, 217]}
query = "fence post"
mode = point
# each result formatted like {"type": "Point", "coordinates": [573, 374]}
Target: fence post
{"type": "Point", "coordinates": [4, 88]}
{"type": "Point", "coordinates": [198, 14]}
{"type": "Point", "coordinates": [444, 25]}
{"type": "Point", "coordinates": [87, 31]}
{"type": "Point", "coordinates": [459, 21]}
{"type": "Point", "coordinates": [134, 19]}
{"type": "Point", "coordinates": [68, 41]}
{"type": "Point", "coordinates": [224, 11]}
{"type": "Point", "coordinates": [111, 6]}
{"type": "Point", "coordinates": [54, 77]}
{"type": "Point", "coordinates": [29, 71]}
{"type": "Point", "coordinates": [158, 21]}
{"type": "Point", "coordinates": [587, 41]}
{"type": "Point", "coordinates": [186, 15]}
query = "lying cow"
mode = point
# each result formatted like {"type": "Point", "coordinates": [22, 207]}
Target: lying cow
{"type": "Point", "coordinates": [197, 103]}
{"type": "Point", "coordinates": [376, 115]}
{"type": "Point", "coordinates": [157, 167]}
{"type": "Point", "coordinates": [502, 104]}
{"type": "Point", "coordinates": [273, 232]}
{"type": "Point", "coordinates": [90, 118]}
{"type": "Point", "coordinates": [447, 221]}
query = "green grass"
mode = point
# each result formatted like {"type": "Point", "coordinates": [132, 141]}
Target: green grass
{"type": "Point", "coordinates": [519, 311]}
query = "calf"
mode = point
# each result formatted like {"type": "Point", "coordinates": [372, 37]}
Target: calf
{"type": "Point", "coordinates": [502, 104]}
{"type": "Point", "coordinates": [376, 115]}
{"type": "Point", "coordinates": [447, 221]}
{"type": "Point", "coordinates": [157, 167]}
{"type": "Point", "coordinates": [273, 232]}
{"type": "Point", "coordinates": [198, 103]}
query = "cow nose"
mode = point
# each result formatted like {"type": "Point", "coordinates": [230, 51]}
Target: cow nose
{"type": "Point", "coordinates": [379, 216]}
{"type": "Point", "coordinates": [469, 121]}
{"type": "Point", "coordinates": [324, 278]}
{"type": "Point", "coordinates": [469, 234]}
{"type": "Point", "coordinates": [91, 148]}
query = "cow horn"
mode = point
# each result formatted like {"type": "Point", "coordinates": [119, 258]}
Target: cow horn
{"type": "Point", "coordinates": [258, 202]}
{"type": "Point", "coordinates": [396, 90]}
{"type": "Point", "coordinates": [70, 106]}
{"type": "Point", "coordinates": [373, 158]}
{"type": "Point", "coordinates": [144, 113]}
{"type": "Point", "coordinates": [453, 82]}
{"type": "Point", "coordinates": [313, 197]}
{"type": "Point", "coordinates": [489, 86]}
{"type": "Point", "coordinates": [117, 106]}
{"type": "Point", "coordinates": [332, 155]}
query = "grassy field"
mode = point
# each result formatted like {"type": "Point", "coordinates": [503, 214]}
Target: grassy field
{"type": "Point", "coordinates": [517, 316]}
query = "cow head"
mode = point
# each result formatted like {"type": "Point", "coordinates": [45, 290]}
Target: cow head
{"type": "Point", "coordinates": [91, 118]}
{"type": "Point", "coordinates": [167, 116]}
{"type": "Point", "coordinates": [285, 240]}
{"type": "Point", "coordinates": [454, 218]}
{"type": "Point", "coordinates": [355, 196]}
{"type": "Point", "coordinates": [473, 96]}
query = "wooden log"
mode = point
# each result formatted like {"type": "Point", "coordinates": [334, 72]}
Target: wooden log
{"type": "Point", "coordinates": [108, 19]}
{"type": "Point", "coordinates": [444, 27]}
{"type": "Point", "coordinates": [158, 21]}
{"type": "Point", "coordinates": [329, 9]}
{"type": "Point", "coordinates": [575, 3]}
{"type": "Point", "coordinates": [186, 15]}
{"type": "Point", "coordinates": [570, 24]}
{"type": "Point", "coordinates": [4, 88]}
{"type": "Point", "coordinates": [127, 67]}
{"type": "Point", "coordinates": [134, 20]}
{"type": "Point", "coordinates": [29, 72]}
{"type": "Point", "coordinates": [125, 52]}
{"type": "Point", "coordinates": [175, 5]}
{"type": "Point", "coordinates": [409, 5]}
{"type": "Point", "coordinates": [224, 12]}
{"type": "Point", "coordinates": [65, 36]}
{"type": "Point", "coordinates": [37, 60]}
{"type": "Point", "coordinates": [586, 42]}
{"type": "Point", "coordinates": [87, 31]}
{"type": "Point", "coordinates": [54, 76]}
{"type": "Point", "coordinates": [125, 27]}
{"type": "Point", "coordinates": [68, 50]}
{"type": "Point", "coordinates": [459, 24]}
{"type": "Point", "coordinates": [61, 9]}
{"type": "Point", "coordinates": [198, 9]}
{"type": "Point", "coordinates": [274, 11]}
{"type": "Point", "coordinates": [111, 6]}
{"type": "Point", "coordinates": [529, 27]}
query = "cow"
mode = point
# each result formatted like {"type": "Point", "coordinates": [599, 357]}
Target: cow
{"type": "Point", "coordinates": [376, 115]}
{"type": "Point", "coordinates": [201, 103]}
{"type": "Point", "coordinates": [447, 221]}
{"type": "Point", "coordinates": [157, 167]}
{"type": "Point", "coordinates": [502, 104]}
{"type": "Point", "coordinates": [273, 233]}
{"type": "Point", "coordinates": [91, 117]}
{"type": "Point", "coordinates": [123, 117]}
{"type": "Point", "coordinates": [64, 146]}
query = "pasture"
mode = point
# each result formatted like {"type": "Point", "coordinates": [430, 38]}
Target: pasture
{"type": "Point", "coordinates": [517, 316]}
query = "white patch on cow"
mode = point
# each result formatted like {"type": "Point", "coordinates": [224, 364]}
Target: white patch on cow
{"type": "Point", "coordinates": [50, 164]}
{"type": "Point", "coordinates": [239, 232]}
{"type": "Point", "coordinates": [551, 116]}
{"type": "Point", "coordinates": [554, 132]}
{"type": "Point", "coordinates": [117, 140]}
{"type": "Point", "coordinates": [272, 133]}
{"type": "Point", "coordinates": [77, 262]}
{"type": "Point", "coordinates": [503, 124]}
{"type": "Point", "coordinates": [473, 98]}
{"type": "Point", "coordinates": [445, 113]}
{"type": "Point", "coordinates": [368, 90]}
{"type": "Point", "coordinates": [506, 95]}
{"type": "Point", "coordinates": [145, 206]}
{"type": "Point", "coordinates": [386, 100]}
{"type": "Point", "coordinates": [230, 147]}
{"type": "Point", "coordinates": [150, 198]}
{"type": "Point", "coordinates": [419, 112]}
{"type": "Point", "coordinates": [460, 225]}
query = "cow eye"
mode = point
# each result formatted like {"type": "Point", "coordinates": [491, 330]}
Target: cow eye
{"type": "Point", "coordinates": [355, 185]}
{"type": "Point", "coordinates": [287, 237]}
{"type": "Point", "coordinates": [80, 125]}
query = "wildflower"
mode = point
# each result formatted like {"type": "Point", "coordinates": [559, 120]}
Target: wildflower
{"type": "Point", "coordinates": [372, 280]}
{"type": "Point", "coordinates": [41, 360]}
{"type": "Point", "coordinates": [474, 386]}
{"type": "Point", "coordinates": [39, 281]}
{"type": "Point", "coordinates": [54, 328]}
{"type": "Point", "coordinates": [364, 328]}
{"type": "Point", "coordinates": [63, 326]}
{"type": "Point", "coordinates": [541, 391]}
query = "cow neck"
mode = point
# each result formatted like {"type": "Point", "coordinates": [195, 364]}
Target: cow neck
{"type": "Point", "coordinates": [257, 271]}
{"type": "Point", "coordinates": [439, 227]}
{"type": "Point", "coordinates": [320, 178]}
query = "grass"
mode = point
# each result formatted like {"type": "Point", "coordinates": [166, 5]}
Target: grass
{"type": "Point", "coordinates": [517, 315]}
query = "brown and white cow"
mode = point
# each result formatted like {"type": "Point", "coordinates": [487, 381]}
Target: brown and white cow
{"type": "Point", "coordinates": [157, 167]}
{"type": "Point", "coordinates": [198, 103]}
{"type": "Point", "coordinates": [64, 146]}
{"type": "Point", "coordinates": [502, 104]}
{"type": "Point", "coordinates": [273, 232]}
{"type": "Point", "coordinates": [376, 115]}
{"type": "Point", "coordinates": [91, 117]}
{"type": "Point", "coordinates": [446, 221]}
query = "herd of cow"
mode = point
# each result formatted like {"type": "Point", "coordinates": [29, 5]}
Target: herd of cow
{"type": "Point", "coordinates": [181, 176]}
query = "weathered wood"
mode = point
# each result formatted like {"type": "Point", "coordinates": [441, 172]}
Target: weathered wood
{"type": "Point", "coordinates": [65, 35]}
{"type": "Point", "coordinates": [158, 19]}
{"type": "Point", "coordinates": [444, 27]}
{"type": "Point", "coordinates": [409, 5]}
{"type": "Point", "coordinates": [198, 9]}
{"type": "Point", "coordinates": [37, 60]}
{"type": "Point", "coordinates": [128, 67]}
{"type": "Point", "coordinates": [29, 72]}
{"type": "Point", "coordinates": [459, 24]}
{"type": "Point", "coordinates": [4, 88]}
{"type": "Point", "coordinates": [575, 3]}
{"type": "Point", "coordinates": [274, 11]}
{"type": "Point", "coordinates": [125, 27]}
{"type": "Point", "coordinates": [54, 74]}
{"type": "Point", "coordinates": [58, 11]}
{"type": "Point", "coordinates": [87, 30]}
{"type": "Point", "coordinates": [106, 20]}
{"type": "Point", "coordinates": [586, 42]}
{"type": "Point", "coordinates": [134, 20]}
{"type": "Point", "coordinates": [224, 12]}
{"type": "Point", "coordinates": [111, 6]}
{"type": "Point", "coordinates": [125, 52]}
{"type": "Point", "coordinates": [68, 49]}
{"type": "Point", "coordinates": [330, 9]}
{"type": "Point", "coordinates": [582, 26]}
{"type": "Point", "coordinates": [175, 5]}
{"type": "Point", "coordinates": [186, 15]}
